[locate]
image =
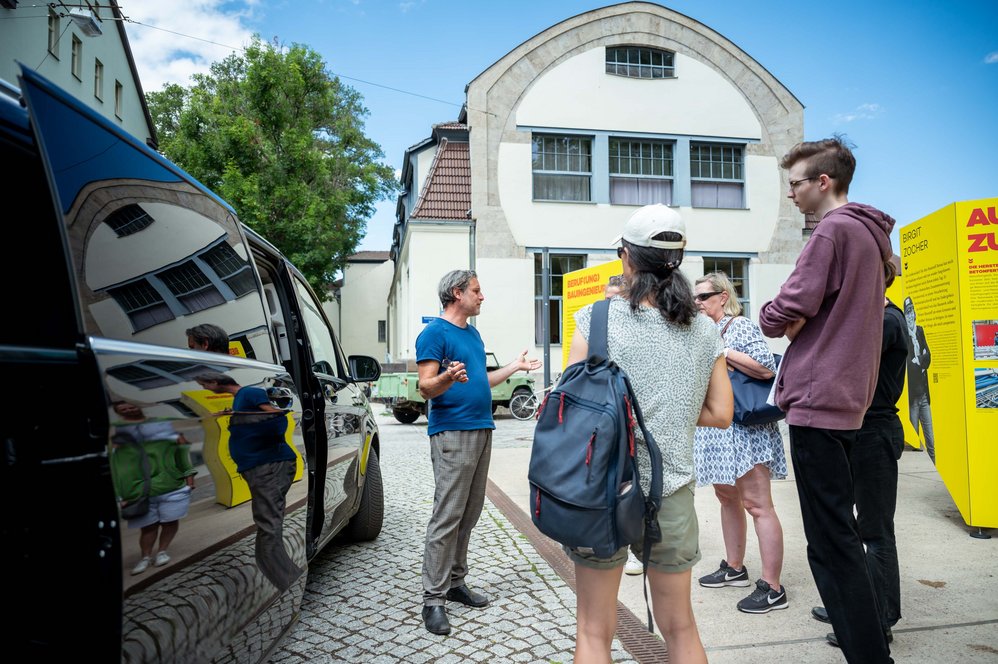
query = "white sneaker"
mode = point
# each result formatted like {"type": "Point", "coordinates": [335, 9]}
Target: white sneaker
{"type": "Point", "coordinates": [633, 566]}
{"type": "Point", "coordinates": [162, 558]}
{"type": "Point", "coordinates": [141, 566]}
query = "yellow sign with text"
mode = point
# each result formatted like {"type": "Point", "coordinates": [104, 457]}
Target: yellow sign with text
{"type": "Point", "coordinates": [949, 265]}
{"type": "Point", "coordinates": [580, 288]}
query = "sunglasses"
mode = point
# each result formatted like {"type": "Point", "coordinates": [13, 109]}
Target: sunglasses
{"type": "Point", "coordinates": [703, 297]}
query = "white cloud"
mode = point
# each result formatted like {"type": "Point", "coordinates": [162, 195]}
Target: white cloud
{"type": "Point", "coordinates": [861, 112]}
{"type": "Point", "coordinates": [991, 58]}
{"type": "Point", "coordinates": [170, 41]}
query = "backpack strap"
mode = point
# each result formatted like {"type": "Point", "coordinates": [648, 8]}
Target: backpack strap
{"type": "Point", "coordinates": [653, 500]}
{"type": "Point", "coordinates": [598, 323]}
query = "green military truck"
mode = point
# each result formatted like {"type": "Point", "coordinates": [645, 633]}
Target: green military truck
{"type": "Point", "coordinates": [398, 391]}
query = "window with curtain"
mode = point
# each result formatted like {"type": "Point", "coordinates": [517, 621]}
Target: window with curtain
{"type": "Point", "coordinates": [143, 305]}
{"type": "Point", "coordinates": [717, 175]}
{"type": "Point", "coordinates": [128, 219]}
{"type": "Point", "coordinates": [191, 286]}
{"type": "Point", "coordinates": [640, 62]}
{"type": "Point", "coordinates": [640, 172]}
{"type": "Point", "coordinates": [560, 265]}
{"type": "Point", "coordinates": [231, 268]}
{"type": "Point", "coordinates": [562, 167]}
{"type": "Point", "coordinates": [737, 271]}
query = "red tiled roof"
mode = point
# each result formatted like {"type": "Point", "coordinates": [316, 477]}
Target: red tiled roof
{"type": "Point", "coordinates": [450, 125]}
{"type": "Point", "coordinates": [447, 192]}
{"type": "Point", "coordinates": [368, 257]}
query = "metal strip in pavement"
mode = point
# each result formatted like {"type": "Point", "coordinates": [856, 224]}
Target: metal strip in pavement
{"type": "Point", "coordinates": [633, 634]}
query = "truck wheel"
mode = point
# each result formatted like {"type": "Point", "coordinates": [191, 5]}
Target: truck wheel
{"type": "Point", "coordinates": [366, 523]}
{"type": "Point", "coordinates": [405, 415]}
{"type": "Point", "coordinates": [495, 407]}
{"type": "Point", "coordinates": [523, 404]}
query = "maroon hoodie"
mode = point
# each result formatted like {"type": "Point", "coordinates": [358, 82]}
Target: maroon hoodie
{"type": "Point", "coordinates": [828, 374]}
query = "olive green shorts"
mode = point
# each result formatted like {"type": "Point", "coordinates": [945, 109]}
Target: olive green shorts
{"type": "Point", "coordinates": [679, 549]}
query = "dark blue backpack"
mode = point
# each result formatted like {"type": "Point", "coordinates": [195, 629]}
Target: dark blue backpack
{"type": "Point", "coordinates": [585, 491]}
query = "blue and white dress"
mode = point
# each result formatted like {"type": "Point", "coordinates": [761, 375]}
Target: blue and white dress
{"type": "Point", "coordinates": [721, 456]}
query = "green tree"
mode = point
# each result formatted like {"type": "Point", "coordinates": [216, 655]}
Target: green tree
{"type": "Point", "coordinates": [279, 138]}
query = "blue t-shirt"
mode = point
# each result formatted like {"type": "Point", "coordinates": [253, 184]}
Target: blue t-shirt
{"type": "Point", "coordinates": [256, 436]}
{"type": "Point", "coordinates": [464, 406]}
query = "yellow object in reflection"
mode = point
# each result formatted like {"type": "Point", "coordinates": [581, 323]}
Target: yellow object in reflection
{"type": "Point", "coordinates": [230, 487]}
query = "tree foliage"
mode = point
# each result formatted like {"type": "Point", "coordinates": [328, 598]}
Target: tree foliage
{"type": "Point", "coordinates": [279, 138]}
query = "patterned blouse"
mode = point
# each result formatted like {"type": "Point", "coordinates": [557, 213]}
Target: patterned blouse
{"type": "Point", "coordinates": [669, 367]}
{"type": "Point", "coordinates": [724, 455]}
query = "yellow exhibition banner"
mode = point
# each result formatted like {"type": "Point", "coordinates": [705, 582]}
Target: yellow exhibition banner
{"type": "Point", "coordinates": [949, 262]}
{"type": "Point", "coordinates": [580, 288]}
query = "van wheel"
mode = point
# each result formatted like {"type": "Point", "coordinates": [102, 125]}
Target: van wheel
{"type": "Point", "coordinates": [405, 415]}
{"type": "Point", "coordinates": [366, 523]}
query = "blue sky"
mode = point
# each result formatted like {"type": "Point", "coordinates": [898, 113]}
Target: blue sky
{"type": "Point", "coordinates": [914, 85]}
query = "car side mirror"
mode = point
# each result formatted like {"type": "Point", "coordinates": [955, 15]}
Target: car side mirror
{"type": "Point", "coordinates": [364, 369]}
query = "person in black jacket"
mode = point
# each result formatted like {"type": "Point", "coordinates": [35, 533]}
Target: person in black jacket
{"type": "Point", "coordinates": [919, 358]}
{"type": "Point", "coordinates": [873, 460]}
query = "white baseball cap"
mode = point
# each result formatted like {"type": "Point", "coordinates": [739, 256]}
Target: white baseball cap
{"type": "Point", "coordinates": [649, 221]}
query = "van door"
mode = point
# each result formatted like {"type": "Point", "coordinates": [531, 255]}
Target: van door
{"type": "Point", "coordinates": [155, 256]}
{"type": "Point", "coordinates": [343, 410]}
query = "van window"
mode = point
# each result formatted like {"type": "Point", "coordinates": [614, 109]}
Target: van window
{"type": "Point", "coordinates": [319, 334]}
{"type": "Point", "coordinates": [154, 253]}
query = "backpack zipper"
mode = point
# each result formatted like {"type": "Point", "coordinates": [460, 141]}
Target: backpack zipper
{"type": "Point", "coordinates": [589, 453]}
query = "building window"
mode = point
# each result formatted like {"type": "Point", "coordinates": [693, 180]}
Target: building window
{"type": "Point", "coordinates": [128, 219]}
{"type": "Point", "coordinates": [233, 270]}
{"type": "Point", "coordinates": [717, 175]}
{"type": "Point", "coordinates": [737, 271]}
{"type": "Point", "coordinates": [191, 286]}
{"type": "Point", "coordinates": [99, 79]}
{"type": "Point", "coordinates": [144, 306]}
{"type": "Point", "coordinates": [562, 168]}
{"type": "Point", "coordinates": [560, 265]}
{"type": "Point", "coordinates": [76, 63]}
{"type": "Point", "coordinates": [53, 33]}
{"type": "Point", "coordinates": [640, 172]}
{"type": "Point", "coordinates": [382, 331]}
{"type": "Point", "coordinates": [640, 62]}
{"type": "Point", "coordinates": [118, 98]}
{"type": "Point", "coordinates": [148, 374]}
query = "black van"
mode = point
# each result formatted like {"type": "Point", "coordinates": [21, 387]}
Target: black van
{"type": "Point", "coordinates": [162, 495]}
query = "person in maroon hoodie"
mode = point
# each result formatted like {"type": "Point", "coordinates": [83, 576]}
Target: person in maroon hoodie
{"type": "Point", "coordinates": [831, 307]}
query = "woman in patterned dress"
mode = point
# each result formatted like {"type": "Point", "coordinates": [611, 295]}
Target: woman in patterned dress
{"type": "Point", "coordinates": [741, 460]}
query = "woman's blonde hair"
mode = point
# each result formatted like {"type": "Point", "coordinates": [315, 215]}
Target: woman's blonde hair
{"type": "Point", "coordinates": [720, 282]}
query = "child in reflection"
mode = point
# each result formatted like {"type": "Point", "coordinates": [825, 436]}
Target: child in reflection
{"type": "Point", "coordinates": [267, 463]}
{"type": "Point", "coordinates": [140, 441]}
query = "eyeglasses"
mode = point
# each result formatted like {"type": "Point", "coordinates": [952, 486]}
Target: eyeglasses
{"type": "Point", "coordinates": [620, 252]}
{"type": "Point", "coordinates": [703, 297]}
{"type": "Point", "coordinates": [794, 183]}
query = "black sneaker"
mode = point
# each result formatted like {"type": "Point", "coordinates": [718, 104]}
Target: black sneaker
{"type": "Point", "coordinates": [764, 599]}
{"type": "Point", "coordinates": [726, 576]}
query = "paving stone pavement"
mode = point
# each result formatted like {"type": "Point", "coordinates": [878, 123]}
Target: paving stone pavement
{"type": "Point", "coordinates": [362, 601]}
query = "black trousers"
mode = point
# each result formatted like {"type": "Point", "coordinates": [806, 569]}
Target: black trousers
{"type": "Point", "coordinates": [834, 548]}
{"type": "Point", "coordinates": [874, 462]}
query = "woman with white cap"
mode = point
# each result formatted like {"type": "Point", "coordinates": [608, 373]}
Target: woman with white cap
{"type": "Point", "coordinates": [674, 360]}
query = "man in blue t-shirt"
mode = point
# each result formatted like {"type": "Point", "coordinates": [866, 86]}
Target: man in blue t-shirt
{"type": "Point", "coordinates": [268, 464]}
{"type": "Point", "coordinates": [452, 378]}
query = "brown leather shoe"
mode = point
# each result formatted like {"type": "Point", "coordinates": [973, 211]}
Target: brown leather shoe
{"type": "Point", "coordinates": [463, 595]}
{"type": "Point", "coordinates": [435, 620]}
